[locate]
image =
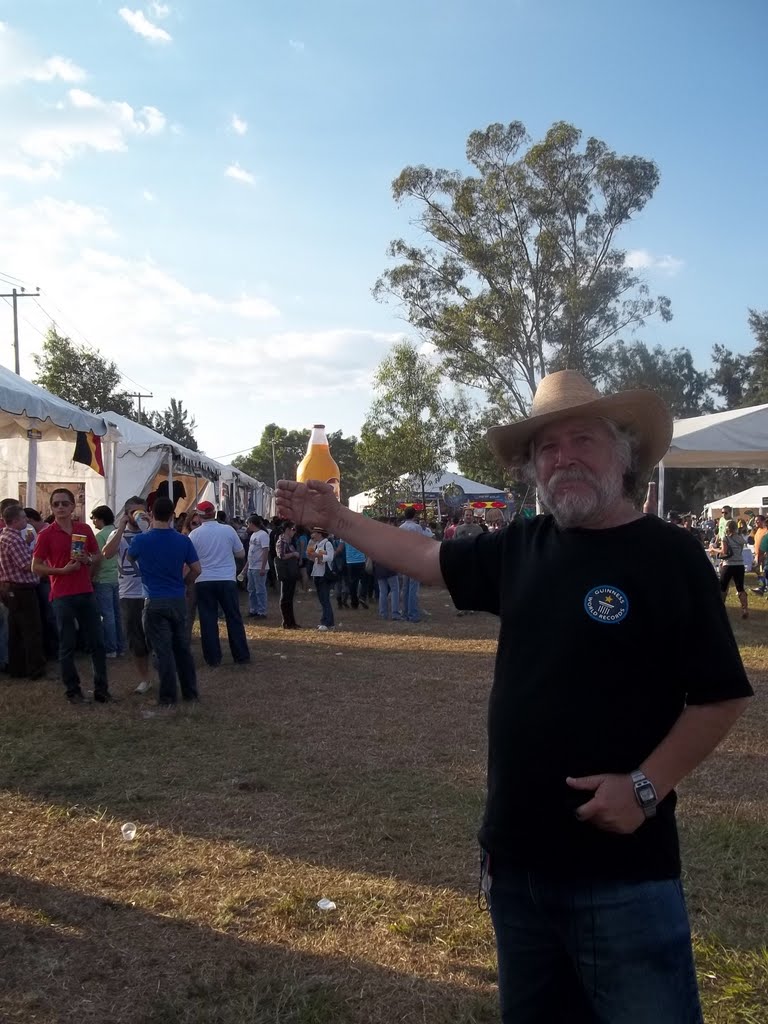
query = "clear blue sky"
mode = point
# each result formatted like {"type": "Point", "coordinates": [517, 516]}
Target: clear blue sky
{"type": "Point", "coordinates": [202, 190]}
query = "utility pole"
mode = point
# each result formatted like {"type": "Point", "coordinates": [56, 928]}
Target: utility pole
{"type": "Point", "coordinates": [138, 396]}
{"type": "Point", "coordinates": [16, 294]}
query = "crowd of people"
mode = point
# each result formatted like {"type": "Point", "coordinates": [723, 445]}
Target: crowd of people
{"type": "Point", "coordinates": [133, 586]}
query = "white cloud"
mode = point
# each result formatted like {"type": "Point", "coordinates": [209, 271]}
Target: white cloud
{"type": "Point", "coordinates": [142, 26]}
{"type": "Point", "coordinates": [19, 63]}
{"type": "Point", "coordinates": [149, 196]}
{"type": "Point", "coordinates": [642, 259]}
{"type": "Point", "coordinates": [239, 173]}
{"type": "Point", "coordinates": [297, 45]}
{"type": "Point", "coordinates": [215, 350]}
{"type": "Point", "coordinates": [238, 125]}
{"type": "Point", "coordinates": [158, 10]}
{"type": "Point", "coordinates": [38, 145]}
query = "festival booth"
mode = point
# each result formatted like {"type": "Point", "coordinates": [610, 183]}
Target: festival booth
{"type": "Point", "coordinates": [238, 494]}
{"type": "Point", "coordinates": [754, 500]}
{"type": "Point", "coordinates": [38, 437]}
{"type": "Point", "coordinates": [150, 465]}
{"type": "Point", "coordinates": [737, 438]}
{"type": "Point", "coordinates": [449, 493]}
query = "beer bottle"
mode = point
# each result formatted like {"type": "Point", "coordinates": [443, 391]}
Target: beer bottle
{"type": "Point", "coordinates": [318, 463]}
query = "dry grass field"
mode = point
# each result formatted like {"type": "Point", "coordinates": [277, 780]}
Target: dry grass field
{"type": "Point", "coordinates": [348, 766]}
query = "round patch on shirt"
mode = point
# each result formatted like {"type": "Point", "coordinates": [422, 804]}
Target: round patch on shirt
{"type": "Point", "coordinates": [606, 604]}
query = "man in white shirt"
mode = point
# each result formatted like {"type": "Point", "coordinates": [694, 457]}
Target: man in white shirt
{"type": "Point", "coordinates": [258, 567]}
{"type": "Point", "coordinates": [410, 586]}
{"type": "Point", "coordinates": [219, 548]}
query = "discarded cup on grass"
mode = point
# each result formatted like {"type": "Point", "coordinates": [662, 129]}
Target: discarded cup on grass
{"type": "Point", "coordinates": [325, 904]}
{"type": "Point", "coordinates": [128, 831]}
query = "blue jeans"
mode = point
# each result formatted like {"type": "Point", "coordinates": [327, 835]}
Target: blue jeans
{"type": "Point", "coordinates": [80, 610]}
{"type": "Point", "coordinates": [165, 627]}
{"type": "Point", "coordinates": [323, 588]}
{"type": "Point", "coordinates": [390, 585]}
{"type": "Point", "coordinates": [257, 592]}
{"type": "Point", "coordinates": [592, 952]}
{"type": "Point", "coordinates": [411, 610]}
{"type": "Point", "coordinates": [209, 596]}
{"type": "Point", "coordinates": [108, 598]}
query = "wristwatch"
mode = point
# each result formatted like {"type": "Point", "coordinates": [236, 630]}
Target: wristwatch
{"type": "Point", "coordinates": [645, 793]}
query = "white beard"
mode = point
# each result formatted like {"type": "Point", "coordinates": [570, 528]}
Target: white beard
{"type": "Point", "coordinates": [570, 509]}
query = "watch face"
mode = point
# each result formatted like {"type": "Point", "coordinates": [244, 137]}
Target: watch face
{"type": "Point", "coordinates": [646, 794]}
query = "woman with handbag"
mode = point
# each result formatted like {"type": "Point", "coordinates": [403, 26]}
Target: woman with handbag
{"type": "Point", "coordinates": [321, 554]}
{"type": "Point", "coordinates": [731, 554]}
{"type": "Point", "coordinates": [287, 559]}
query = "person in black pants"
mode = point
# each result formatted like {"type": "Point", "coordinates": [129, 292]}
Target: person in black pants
{"type": "Point", "coordinates": [287, 569]}
{"type": "Point", "coordinates": [163, 554]}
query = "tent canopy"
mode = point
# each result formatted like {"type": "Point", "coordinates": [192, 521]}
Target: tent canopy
{"type": "Point", "coordinates": [137, 439]}
{"type": "Point", "coordinates": [435, 487]}
{"type": "Point", "coordinates": [754, 498]}
{"type": "Point", "coordinates": [25, 406]}
{"type": "Point", "coordinates": [737, 438]}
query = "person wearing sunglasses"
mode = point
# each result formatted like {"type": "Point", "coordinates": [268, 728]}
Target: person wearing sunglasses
{"type": "Point", "coordinates": [68, 554]}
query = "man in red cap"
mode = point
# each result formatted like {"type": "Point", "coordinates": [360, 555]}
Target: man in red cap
{"type": "Point", "coordinates": [588, 732]}
{"type": "Point", "coordinates": [220, 550]}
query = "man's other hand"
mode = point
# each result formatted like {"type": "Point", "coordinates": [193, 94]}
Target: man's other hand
{"type": "Point", "coordinates": [613, 806]}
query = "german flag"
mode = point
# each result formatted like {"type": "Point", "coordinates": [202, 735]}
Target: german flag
{"type": "Point", "coordinates": [88, 451]}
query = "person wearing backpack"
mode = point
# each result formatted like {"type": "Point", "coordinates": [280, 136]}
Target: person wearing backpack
{"type": "Point", "coordinates": [731, 554]}
{"type": "Point", "coordinates": [321, 553]}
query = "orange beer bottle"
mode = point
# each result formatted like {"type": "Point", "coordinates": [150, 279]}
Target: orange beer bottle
{"type": "Point", "coordinates": [318, 463]}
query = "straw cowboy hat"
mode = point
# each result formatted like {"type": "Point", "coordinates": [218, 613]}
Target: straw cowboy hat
{"type": "Point", "coordinates": [567, 393]}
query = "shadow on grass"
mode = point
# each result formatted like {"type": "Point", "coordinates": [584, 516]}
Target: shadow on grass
{"type": "Point", "coordinates": [58, 947]}
{"type": "Point", "coordinates": [369, 761]}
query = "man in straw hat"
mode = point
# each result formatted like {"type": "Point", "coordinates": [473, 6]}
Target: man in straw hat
{"type": "Point", "coordinates": [599, 705]}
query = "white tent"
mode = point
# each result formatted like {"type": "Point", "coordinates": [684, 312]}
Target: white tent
{"type": "Point", "coordinates": [137, 460]}
{"type": "Point", "coordinates": [754, 499]}
{"type": "Point", "coordinates": [30, 415]}
{"type": "Point", "coordinates": [435, 486]}
{"type": "Point", "coordinates": [737, 438]}
{"type": "Point", "coordinates": [240, 495]}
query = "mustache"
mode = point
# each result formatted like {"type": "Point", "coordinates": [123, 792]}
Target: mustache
{"type": "Point", "coordinates": [564, 476]}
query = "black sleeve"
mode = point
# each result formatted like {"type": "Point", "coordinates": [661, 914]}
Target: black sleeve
{"type": "Point", "coordinates": [711, 661]}
{"type": "Point", "coordinates": [471, 568]}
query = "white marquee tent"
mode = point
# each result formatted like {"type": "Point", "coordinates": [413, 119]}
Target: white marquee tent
{"type": "Point", "coordinates": [737, 438]}
{"type": "Point", "coordinates": [31, 417]}
{"type": "Point", "coordinates": [435, 485]}
{"type": "Point", "coordinates": [754, 499]}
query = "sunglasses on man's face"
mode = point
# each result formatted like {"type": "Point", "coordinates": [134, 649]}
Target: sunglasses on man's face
{"type": "Point", "coordinates": [62, 504]}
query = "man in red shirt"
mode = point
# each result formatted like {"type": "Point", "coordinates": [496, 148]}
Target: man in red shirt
{"type": "Point", "coordinates": [26, 654]}
{"type": "Point", "coordinates": [67, 552]}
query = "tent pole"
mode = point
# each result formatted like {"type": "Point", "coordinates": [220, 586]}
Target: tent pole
{"type": "Point", "coordinates": [112, 499]}
{"type": "Point", "coordinates": [32, 473]}
{"type": "Point", "coordinates": [170, 477]}
{"type": "Point", "coordinates": [660, 509]}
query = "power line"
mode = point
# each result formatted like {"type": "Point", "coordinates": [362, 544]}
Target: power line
{"type": "Point", "coordinates": [88, 343]}
{"type": "Point", "coordinates": [16, 295]}
{"type": "Point", "coordinates": [22, 317]}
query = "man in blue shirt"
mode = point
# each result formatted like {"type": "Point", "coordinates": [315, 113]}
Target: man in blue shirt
{"type": "Point", "coordinates": [162, 555]}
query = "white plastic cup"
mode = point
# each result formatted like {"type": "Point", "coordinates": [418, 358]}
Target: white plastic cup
{"type": "Point", "coordinates": [128, 831]}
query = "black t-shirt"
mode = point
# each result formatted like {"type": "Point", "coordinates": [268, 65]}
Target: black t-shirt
{"type": "Point", "coordinates": [605, 636]}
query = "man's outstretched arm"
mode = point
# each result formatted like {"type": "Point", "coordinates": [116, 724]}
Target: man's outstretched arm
{"type": "Point", "coordinates": [315, 504]}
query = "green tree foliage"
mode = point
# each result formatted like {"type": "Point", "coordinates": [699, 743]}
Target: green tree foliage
{"type": "Point", "coordinates": [669, 372]}
{"type": "Point", "coordinates": [80, 376]}
{"type": "Point", "coordinates": [290, 449]}
{"type": "Point", "coordinates": [742, 380]}
{"type": "Point", "coordinates": [409, 425]}
{"type": "Point", "coordinates": [174, 422]}
{"type": "Point", "coordinates": [522, 274]}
